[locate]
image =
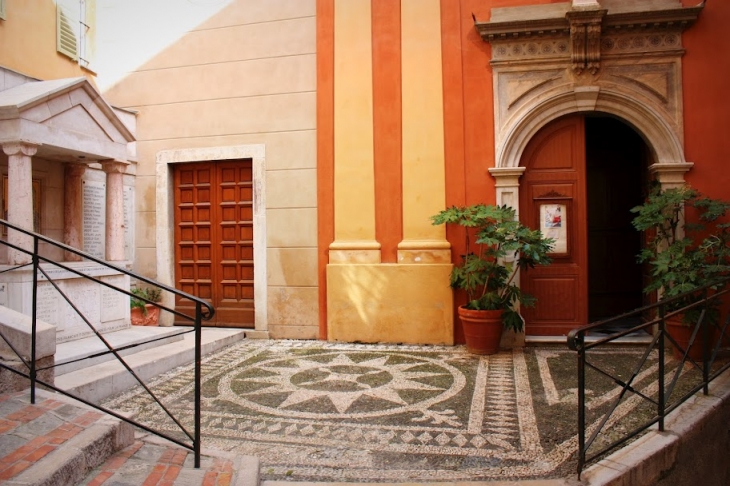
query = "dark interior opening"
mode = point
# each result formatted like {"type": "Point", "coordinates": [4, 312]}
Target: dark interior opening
{"type": "Point", "coordinates": [616, 164]}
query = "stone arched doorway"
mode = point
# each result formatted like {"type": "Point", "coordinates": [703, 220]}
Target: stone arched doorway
{"type": "Point", "coordinates": [622, 59]}
{"type": "Point", "coordinates": [583, 174]}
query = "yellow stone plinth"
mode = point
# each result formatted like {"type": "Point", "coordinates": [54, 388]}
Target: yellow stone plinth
{"type": "Point", "coordinates": [390, 303]}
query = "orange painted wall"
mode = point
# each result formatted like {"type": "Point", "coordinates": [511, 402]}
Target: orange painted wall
{"type": "Point", "coordinates": [468, 126]}
{"type": "Point", "coordinates": [325, 148]}
{"type": "Point", "coordinates": [468, 113]}
{"type": "Point", "coordinates": [28, 42]}
{"type": "Point", "coordinates": [387, 130]}
{"type": "Point", "coordinates": [706, 74]}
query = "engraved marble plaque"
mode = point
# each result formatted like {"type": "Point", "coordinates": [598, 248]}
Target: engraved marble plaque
{"type": "Point", "coordinates": [128, 221]}
{"type": "Point", "coordinates": [94, 197]}
{"type": "Point", "coordinates": [113, 303]}
{"type": "Point", "coordinates": [47, 309]}
{"type": "Point", "coordinates": [86, 298]}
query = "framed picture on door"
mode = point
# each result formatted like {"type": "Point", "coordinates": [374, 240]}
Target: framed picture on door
{"type": "Point", "coordinates": [554, 224]}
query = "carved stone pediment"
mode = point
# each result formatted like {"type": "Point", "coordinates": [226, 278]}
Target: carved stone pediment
{"type": "Point", "coordinates": [613, 56]}
{"type": "Point", "coordinates": [585, 35]}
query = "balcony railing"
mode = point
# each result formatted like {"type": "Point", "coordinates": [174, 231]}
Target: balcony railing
{"type": "Point", "coordinates": [40, 265]}
{"type": "Point", "coordinates": [664, 374]}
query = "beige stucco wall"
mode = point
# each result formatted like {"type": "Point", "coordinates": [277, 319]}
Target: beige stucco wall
{"type": "Point", "coordinates": [34, 55]}
{"type": "Point", "coordinates": [244, 76]}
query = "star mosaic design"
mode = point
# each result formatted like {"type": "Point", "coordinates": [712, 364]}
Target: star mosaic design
{"type": "Point", "coordinates": [336, 383]}
{"type": "Point", "coordinates": [351, 412]}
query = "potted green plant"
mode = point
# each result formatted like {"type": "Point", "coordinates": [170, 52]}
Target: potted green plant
{"type": "Point", "coordinates": [142, 312]}
{"type": "Point", "coordinates": [497, 247]}
{"type": "Point", "coordinates": [683, 256]}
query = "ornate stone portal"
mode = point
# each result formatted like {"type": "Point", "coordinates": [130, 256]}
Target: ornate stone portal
{"type": "Point", "coordinates": [611, 56]}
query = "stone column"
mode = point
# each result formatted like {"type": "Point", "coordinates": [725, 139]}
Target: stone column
{"type": "Point", "coordinates": [114, 210]}
{"type": "Point", "coordinates": [671, 176]}
{"type": "Point", "coordinates": [507, 183]}
{"type": "Point", "coordinates": [20, 198]}
{"type": "Point", "coordinates": [73, 218]}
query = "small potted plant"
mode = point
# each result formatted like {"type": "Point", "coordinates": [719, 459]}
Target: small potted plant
{"type": "Point", "coordinates": [683, 257]}
{"type": "Point", "coordinates": [142, 312]}
{"type": "Point", "coordinates": [497, 247]}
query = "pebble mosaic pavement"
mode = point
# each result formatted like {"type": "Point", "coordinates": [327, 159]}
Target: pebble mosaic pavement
{"type": "Point", "coordinates": [319, 411]}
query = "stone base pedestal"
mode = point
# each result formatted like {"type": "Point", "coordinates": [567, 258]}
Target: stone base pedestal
{"type": "Point", "coordinates": [12, 382]}
{"type": "Point", "coordinates": [390, 303]}
{"type": "Point", "coordinates": [106, 309]}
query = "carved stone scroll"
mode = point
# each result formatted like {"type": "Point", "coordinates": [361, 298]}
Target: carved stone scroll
{"type": "Point", "coordinates": [585, 39]}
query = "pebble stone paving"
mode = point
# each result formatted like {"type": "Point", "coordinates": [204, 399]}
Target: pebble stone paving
{"type": "Point", "coordinates": [315, 411]}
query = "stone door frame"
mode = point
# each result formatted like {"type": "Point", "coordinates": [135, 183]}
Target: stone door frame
{"type": "Point", "coordinates": [165, 214]}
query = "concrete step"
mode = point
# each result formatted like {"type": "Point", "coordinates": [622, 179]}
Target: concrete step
{"type": "Point", "coordinates": [151, 460]}
{"type": "Point", "coordinates": [82, 353]}
{"type": "Point", "coordinates": [97, 382]}
{"type": "Point", "coordinates": [58, 441]}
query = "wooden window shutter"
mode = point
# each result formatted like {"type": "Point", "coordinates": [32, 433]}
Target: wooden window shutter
{"type": "Point", "coordinates": [66, 27]}
{"type": "Point", "coordinates": [87, 33]}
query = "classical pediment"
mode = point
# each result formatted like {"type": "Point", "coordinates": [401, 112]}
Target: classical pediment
{"type": "Point", "coordinates": [63, 116]}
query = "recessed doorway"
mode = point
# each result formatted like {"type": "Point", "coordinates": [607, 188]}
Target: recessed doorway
{"type": "Point", "coordinates": [616, 168]}
{"type": "Point", "coordinates": [591, 170]}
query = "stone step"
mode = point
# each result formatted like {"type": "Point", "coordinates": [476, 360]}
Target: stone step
{"type": "Point", "coordinates": [55, 441]}
{"type": "Point", "coordinates": [80, 353]}
{"type": "Point", "coordinates": [97, 382]}
{"type": "Point", "coordinates": [58, 441]}
{"type": "Point", "coordinates": [151, 460]}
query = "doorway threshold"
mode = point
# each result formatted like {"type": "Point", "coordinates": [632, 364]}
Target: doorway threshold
{"type": "Point", "coordinates": [623, 341]}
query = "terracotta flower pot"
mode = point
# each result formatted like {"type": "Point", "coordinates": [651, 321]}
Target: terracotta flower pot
{"type": "Point", "coordinates": [681, 333]}
{"type": "Point", "coordinates": [482, 329]}
{"type": "Point", "coordinates": [138, 317]}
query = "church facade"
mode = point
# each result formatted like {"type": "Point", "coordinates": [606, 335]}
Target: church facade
{"type": "Point", "coordinates": [288, 155]}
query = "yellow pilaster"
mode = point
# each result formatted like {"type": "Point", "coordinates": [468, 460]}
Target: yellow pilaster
{"type": "Point", "coordinates": [354, 179]}
{"type": "Point", "coordinates": [423, 133]}
{"type": "Point", "coordinates": [370, 301]}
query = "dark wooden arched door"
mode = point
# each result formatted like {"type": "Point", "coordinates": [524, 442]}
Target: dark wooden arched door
{"type": "Point", "coordinates": [553, 198]}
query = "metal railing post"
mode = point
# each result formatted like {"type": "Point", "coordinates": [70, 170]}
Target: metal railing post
{"type": "Point", "coordinates": [581, 405]}
{"type": "Point", "coordinates": [198, 336]}
{"type": "Point", "coordinates": [34, 317]}
{"type": "Point", "coordinates": [705, 328]}
{"type": "Point", "coordinates": [652, 318]}
{"type": "Point", "coordinates": [660, 399]}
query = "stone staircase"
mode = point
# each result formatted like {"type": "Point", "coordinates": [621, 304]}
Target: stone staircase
{"type": "Point", "coordinates": [58, 441]}
{"type": "Point", "coordinates": [149, 351]}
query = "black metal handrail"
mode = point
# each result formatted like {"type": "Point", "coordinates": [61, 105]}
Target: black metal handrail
{"type": "Point", "coordinates": [707, 333]}
{"type": "Point", "coordinates": [203, 311]}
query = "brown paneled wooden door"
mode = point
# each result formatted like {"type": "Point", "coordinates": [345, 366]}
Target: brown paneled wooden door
{"type": "Point", "coordinates": [214, 239]}
{"type": "Point", "coordinates": [553, 198]}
